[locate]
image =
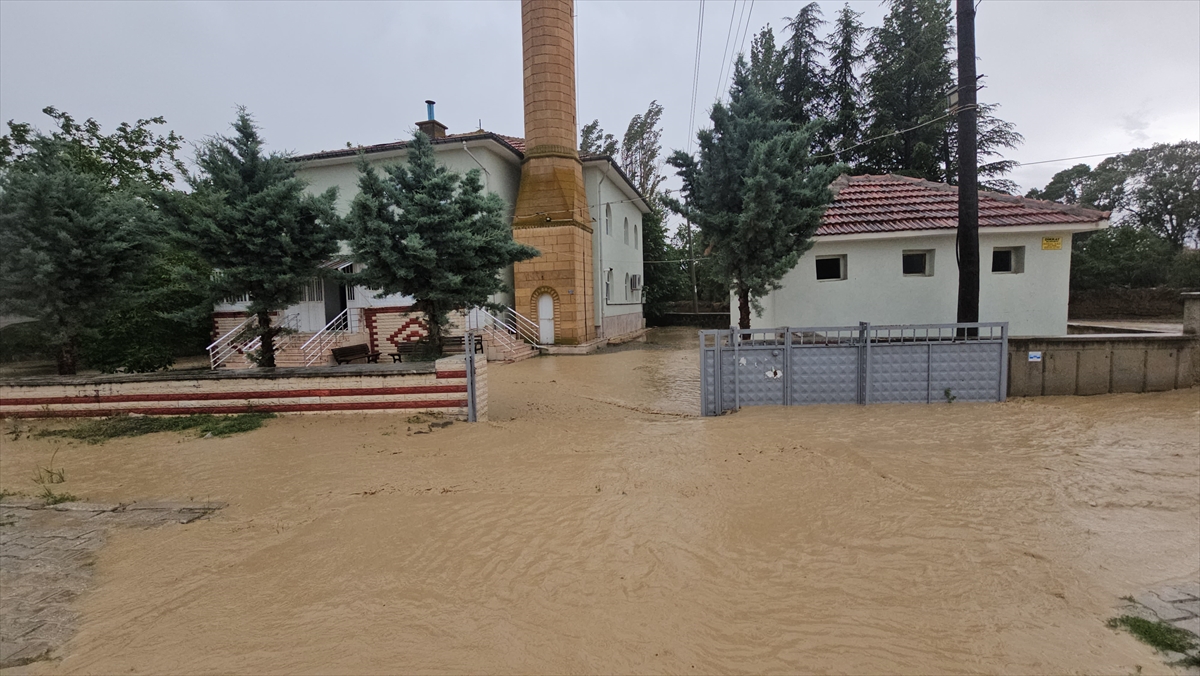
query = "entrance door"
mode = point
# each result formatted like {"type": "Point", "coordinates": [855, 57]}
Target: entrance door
{"type": "Point", "coordinates": [546, 319]}
{"type": "Point", "coordinates": [335, 300]}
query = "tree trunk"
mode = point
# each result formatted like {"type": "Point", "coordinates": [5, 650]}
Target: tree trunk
{"type": "Point", "coordinates": [433, 324]}
{"type": "Point", "coordinates": [743, 308]}
{"type": "Point", "coordinates": [266, 341]}
{"type": "Point", "coordinates": [68, 358]}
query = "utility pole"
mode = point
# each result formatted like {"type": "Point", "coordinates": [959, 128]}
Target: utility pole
{"type": "Point", "coordinates": [692, 267]}
{"type": "Point", "coordinates": [968, 185]}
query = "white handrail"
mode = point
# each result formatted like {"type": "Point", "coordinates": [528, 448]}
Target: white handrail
{"type": "Point", "coordinates": [314, 348]}
{"type": "Point", "coordinates": [513, 326]}
{"type": "Point", "coordinates": [225, 347]}
{"type": "Point", "coordinates": [526, 327]}
{"type": "Point", "coordinates": [289, 322]}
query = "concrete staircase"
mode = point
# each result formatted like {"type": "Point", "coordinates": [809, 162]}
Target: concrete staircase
{"type": "Point", "coordinates": [500, 345]}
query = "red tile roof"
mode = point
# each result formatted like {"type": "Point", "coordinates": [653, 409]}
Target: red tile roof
{"type": "Point", "coordinates": [865, 204]}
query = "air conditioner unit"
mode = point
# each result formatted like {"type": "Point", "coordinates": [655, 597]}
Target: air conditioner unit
{"type": "Point", "coordinates": [635, 282]}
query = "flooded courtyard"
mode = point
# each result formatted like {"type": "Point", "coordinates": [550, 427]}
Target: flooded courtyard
{"type": "Point", "coordinates": [596, 524]}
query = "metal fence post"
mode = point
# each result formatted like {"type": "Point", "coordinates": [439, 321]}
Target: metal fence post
{"type": "Point", "coordinates": [737, 371]}
{"type": "Point", "coordinates": [1004, 361]}
{"type": "Point", "coordinates": [472, 414]}
{"type": "Point", "coordinates": [787, 366]}
{"type": "Point", "coordinates": [866, 332]}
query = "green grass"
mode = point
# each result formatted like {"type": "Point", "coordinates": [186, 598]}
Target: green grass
{"type": "Point", "coordinates": [51, 498]}
{"type": "Point", "coordinates": [97, 431]}
{"type": "Point", "coordinates": [1159, 635]}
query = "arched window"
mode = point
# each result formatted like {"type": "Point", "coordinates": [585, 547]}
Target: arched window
{"type": "Point", "coordinates": [607, 219]}
{"type": "Point", "coordinates": [608, 286]}
{"type": "Point", "coordinates": [627, 231]}
{"type": "Point", "coordinates": [636, 239]}
{"type": "Point", "coordinates": [626, 286]}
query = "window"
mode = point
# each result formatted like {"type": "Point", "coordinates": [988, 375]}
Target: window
{"type": "Point", "coordinates": [636, 240]}
{"type": "Point", "coordinates": [831, 268]}
{"type": "Point", "coordinates": [1009, 260]}
{"type": "Point", "coordinates": [313, 291]}
{"type": "Point", "coordinates": [627, 231]}
{"type": "Point", "coordinates": [917, 263]}
{"type": "Point", "coordinates": [626, 286]}
{"type": "Point", "coordinates": [348, 269]}
{"type": "Point", "coordinates": [608, 219]}
{"type": "Point", "coordinates": [608, 286]}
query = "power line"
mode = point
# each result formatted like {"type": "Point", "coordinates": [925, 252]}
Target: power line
{"type": "Point", "coordinates": [696, 76]}
{"type": "Point", "coordinates": [1067, 159]}
{"type": "Point", "coordinates": [746, 30]}
{"type": "Point", "coordinates": [725, 51]}
{"type": "Point", "coordinates": [887, 135]}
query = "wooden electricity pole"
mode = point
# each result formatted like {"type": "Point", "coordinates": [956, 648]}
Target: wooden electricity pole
{"type": "Point", "coordinates": [968, 185]}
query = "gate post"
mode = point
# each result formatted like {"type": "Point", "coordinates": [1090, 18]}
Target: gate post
{"type": "Point", "coordinates": [787, 366]}
{"type": "Point", "coordinates": [737, 373]}
{"type": "Point", "coordinates": [469, 354]}
{"type": "Point", "coordinates": [1004, 361]}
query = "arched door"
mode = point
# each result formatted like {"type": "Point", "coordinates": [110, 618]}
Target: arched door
{"type": "Point", "coordinates": [546, 319]}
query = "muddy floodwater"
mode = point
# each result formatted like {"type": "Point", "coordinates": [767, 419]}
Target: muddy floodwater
{"type": "Point", "coordinates": [595, 524]}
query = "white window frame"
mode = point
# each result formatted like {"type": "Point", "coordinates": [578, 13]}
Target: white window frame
{"type": "Point", "coordinates": [608, 219]}
{"type": "Point", "coordinates": [843, 264]}
{"type": "Point", "coordinates": [608, 281]}
{"type": "Point", "coordinates": [928, 253]}
{"type": "Point", "coordinates": [1017, 260]}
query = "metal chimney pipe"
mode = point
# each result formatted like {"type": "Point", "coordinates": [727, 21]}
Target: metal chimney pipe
{"type": "Point", "coordinates": [429, 108]}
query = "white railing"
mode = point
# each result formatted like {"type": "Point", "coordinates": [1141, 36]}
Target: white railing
{"type": "Point", "coordinates": [228, 345]}
{"type": "Point", "coordinates": [526, 327]}
{"type": "Point", "coordinates": [290, 322]}
{"type": "Point", "coordinates": [315, 348]}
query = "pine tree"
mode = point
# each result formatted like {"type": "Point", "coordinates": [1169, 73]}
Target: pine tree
{"type": "Point", "coordinates": [909, 78]}
{"type": "Point", "coordinates": [845, 93]}
{"type": "Point", "coordinates": [250, 218]}
{"type": "Point", "coordinates": [70, 245]}
{"type": "Point", "coordinates": [804, 85]}
{"type": "Point", "coordinates": [753, 191]}
{"type": "Point", "coordinates": [767, 62]}
{"type": "Point", "coordinates": [424, 231]}
{"type": "Point", "coordinates": [992, 134]}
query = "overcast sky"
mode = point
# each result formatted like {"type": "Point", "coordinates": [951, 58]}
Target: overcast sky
{"type": "Point", "coordinates": [1076, 77]}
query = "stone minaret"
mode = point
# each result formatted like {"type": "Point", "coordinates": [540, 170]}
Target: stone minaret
{"type": "Point", "coordinates": [551, 213]}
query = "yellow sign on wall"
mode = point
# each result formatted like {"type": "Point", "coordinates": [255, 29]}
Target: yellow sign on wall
{"type": "Point", "coordinates": [1052, 243]}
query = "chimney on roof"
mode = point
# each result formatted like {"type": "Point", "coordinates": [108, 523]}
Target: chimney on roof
{"type": "Point", "coordinates": [431, 127]}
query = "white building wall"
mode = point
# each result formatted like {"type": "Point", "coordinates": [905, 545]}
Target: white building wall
{"type": "Point", "coordinates": [622, 306]}
{"type": "Point", "coordinates": [1033, 302]}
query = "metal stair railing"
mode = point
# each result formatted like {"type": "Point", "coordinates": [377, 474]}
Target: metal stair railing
{"type": "Point", "coordinates": [227, 345]}
{"type": "Point", "coordinates": [511, 335]}
{"type": "Point", "coordinates": [314, 348]}
{"type": "Point", "coordinates": [526, 327]}
{"type": "Point", "coordinates": [290, 322]}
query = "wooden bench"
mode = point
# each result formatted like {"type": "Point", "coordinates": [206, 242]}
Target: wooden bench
{"type": "Point", "coordinates": [345, 355]}
{"type": "Point", "coordinates": [456, 344]}
{"type": "Point", "coordinates": [402, 349]}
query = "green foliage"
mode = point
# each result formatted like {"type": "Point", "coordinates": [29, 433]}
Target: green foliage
{"type": "Point", "coordinates": [133, 156]}
{"type": "Point", "coordinates": [423, 230]}
{"type": "Point", "coordinates": [250, 219]}
{"type": "Point", "coordinates": [103, 429]}
{"type": "Point", "coordinates": [665, 281]}
{"type": "Point", "coordinates": [1120, 256]}
{"type": "Point", "coordinates": [24, 341]}
{"type": "Point", "coordinates": [909, 77]}
{"type": "Point", "coordinates": [593, 140]}
{"type": "Point", "coordinates": [844, 90]}
{"type": "Point", "coordinates": [1159, 635]}
{"type": "Point", "coordinates": [49, 497]}
{"type": "Point", "coordinates": [640, 150]}
{"type": "Point", "coordinates": [753, 192]}
{"type": "Point", "coordinates": [1185, 270]}
{"type": "Point", "coordinates": [804, 84]}
{"type": "Point", "coordinates": [70, 244]}
{"type": "Point", "coordinates": [1155, 188]}
{"type": "Point", "coordinates": [992, 134]}
{"type": "Point", "coordinates": [165, 313]}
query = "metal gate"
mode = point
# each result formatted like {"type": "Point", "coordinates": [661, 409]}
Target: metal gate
{"type": "Point", "coordinates": [861, 364]}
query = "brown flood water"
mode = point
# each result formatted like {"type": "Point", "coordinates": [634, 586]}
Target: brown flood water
{"type": "Point", "coordinates": [597, 525]}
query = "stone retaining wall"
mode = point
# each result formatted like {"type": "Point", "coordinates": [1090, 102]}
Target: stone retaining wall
{"type": "Point", "coordinates": [1100, 364]}
{"type": "Point", "coordinates": [439, 386]}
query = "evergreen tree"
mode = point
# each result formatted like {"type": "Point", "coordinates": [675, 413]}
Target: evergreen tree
{"type": "Point", "coordinates": [992, 134]}
{"type": "Point", "coordinates": [640, 150]}
{"type": "Point", "coordinates": [70, 245]}
{"type": "Point", "coordinates": [593, 140]}
{"type": "Point", "coordinates": [767, 62]}
{"type": "Point", "coordinates": [423, 230]}
{"type": "Point", "coordinates": [910, 75]}
{"type": "Point", "coordinates": [250, 218]}
{"type": "Point", "coordinates": [753, 191]}
{"type": "Point", "coordinates": [844, 90]}
{"type": "Point", "coordinates": [804, 85]}
{"type": "Point", "coordinates": [1066, 186]}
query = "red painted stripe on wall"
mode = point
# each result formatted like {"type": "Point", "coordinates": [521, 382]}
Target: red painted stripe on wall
{"type": "Point", "coordinates": [245, 408]}
{"type": "Point", "coordinates": [451, 374]}
{"type": "Point", "coordinates": [213, 396]}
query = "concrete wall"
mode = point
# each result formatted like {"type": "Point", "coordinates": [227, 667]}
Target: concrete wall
{"type": "Point", "coordinates": [621, 307]}
{"type": "Point", "coordinates": [439, 386]}
{"type": "Point", "coordinates": [1033, 302]}
{"type": "Point", "coordinates": [1100, 364]}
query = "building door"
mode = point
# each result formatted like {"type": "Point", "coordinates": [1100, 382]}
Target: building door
{"type": "Point", "coordinates": [335, 299]}
{"type": "Point", "coordinates": [546, 319]}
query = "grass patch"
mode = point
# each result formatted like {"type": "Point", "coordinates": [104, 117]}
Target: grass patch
{"type": "Point", "coordinates": [1160, 635]}
{"type": "Point", "coordinates": [51, 498]}
{"type": "Point", "coordinates": [97, 431]}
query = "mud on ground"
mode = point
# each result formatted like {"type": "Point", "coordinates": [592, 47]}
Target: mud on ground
{"type": "Point", "coordinates": [597, 525]}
